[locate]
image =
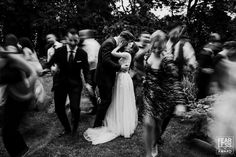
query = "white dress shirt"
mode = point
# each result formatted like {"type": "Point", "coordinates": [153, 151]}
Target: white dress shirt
{"type": "Point", "coordinates": [188, 52]}
{"type": "Point", "coordinates": [69, 51]}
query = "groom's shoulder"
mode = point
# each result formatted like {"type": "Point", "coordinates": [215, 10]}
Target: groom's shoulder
{"type": "Point", "coordinates": [109, 41]}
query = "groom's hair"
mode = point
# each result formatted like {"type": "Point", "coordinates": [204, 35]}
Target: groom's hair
{"type": "Point", "coordinates": [127, 35]}
{"type": "Point", "coordinates": [72, 31]}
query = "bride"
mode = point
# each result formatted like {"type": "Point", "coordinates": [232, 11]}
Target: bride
{"type": "Point", "coordinates": [121, 118]}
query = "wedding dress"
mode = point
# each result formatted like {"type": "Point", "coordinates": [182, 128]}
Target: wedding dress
{"type": "Point", "coordinates": [121, 118]}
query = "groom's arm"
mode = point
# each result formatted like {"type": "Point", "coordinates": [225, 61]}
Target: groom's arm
{"type": "Point", "coordinates": [106, 57]}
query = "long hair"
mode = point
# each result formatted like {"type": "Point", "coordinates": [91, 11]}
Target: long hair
{"type": "Point", "coordinates": [158, 42]}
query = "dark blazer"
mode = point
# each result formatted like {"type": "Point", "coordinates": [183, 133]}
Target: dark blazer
{"type": "Point", "coordinates": [107, 64]}
{"type": "Point", "coordinates": [69, 76]}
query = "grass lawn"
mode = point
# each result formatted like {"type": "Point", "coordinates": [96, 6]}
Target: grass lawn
{"type": "Point", "coordinates": [41, 129]}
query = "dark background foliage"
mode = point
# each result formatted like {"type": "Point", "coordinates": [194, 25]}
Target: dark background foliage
{"type": "Point", "coordinates": [36, 18]}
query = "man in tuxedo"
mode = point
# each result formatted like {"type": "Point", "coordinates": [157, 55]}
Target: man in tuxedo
{"type": "Point", "coordinates": [106, 72]}
{"type": "Point", "coordinates": [70, 60]}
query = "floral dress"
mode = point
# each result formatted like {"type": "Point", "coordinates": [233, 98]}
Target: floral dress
{"type": "Point", "coordinates": [162, 90]}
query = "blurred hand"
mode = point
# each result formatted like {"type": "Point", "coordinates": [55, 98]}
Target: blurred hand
{"type": "Point", "coordinates": [208, 70]}
{"type": "Point", "coordinates": [89, 88]}
{"type": "Point", "coordinates": [180, 110]}
{"type": "Point", "coordinates": [44, 71]}
{"type": "Point", "coordinates": [54, 69]}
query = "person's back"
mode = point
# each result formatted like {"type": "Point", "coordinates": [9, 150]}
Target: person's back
{"type": "Point", "coordinates": [181, 48]}
{"type": "Point", "coordinates": [91, 46]}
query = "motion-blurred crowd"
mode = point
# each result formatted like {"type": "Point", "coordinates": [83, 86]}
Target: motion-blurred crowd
{"type": "Point", "coordinates": [160, 65]}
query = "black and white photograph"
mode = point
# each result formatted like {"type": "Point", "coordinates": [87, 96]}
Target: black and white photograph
{"type": "Point", "coordinates": [117, 78]}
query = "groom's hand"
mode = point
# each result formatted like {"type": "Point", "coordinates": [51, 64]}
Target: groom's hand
{"type": "Point", "coordinates": [124, 68]}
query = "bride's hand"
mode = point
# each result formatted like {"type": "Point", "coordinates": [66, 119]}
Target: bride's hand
{"type": "Point", "coordinates": [122, 43]}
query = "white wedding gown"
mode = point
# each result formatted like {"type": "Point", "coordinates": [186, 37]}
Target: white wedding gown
{"type": "Point", "coordinates": [121, 118]}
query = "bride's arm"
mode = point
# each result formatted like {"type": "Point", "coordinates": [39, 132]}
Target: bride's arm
{"type": "Point", "coordinates": [118, 54]}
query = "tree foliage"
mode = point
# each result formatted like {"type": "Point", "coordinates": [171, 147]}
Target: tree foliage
{"type": "Point", "coordinates": [36, 18]}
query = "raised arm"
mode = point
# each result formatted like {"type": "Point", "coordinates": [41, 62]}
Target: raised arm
{"type": "Point", "coordinates": [117, 54]}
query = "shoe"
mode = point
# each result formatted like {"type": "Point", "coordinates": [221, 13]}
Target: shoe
{"type": "Point", "coordinates": [64, 133]}
{"type": "Point", "coordinates": [155, 151]}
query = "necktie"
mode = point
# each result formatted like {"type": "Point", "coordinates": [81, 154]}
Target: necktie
{"type": "Point", "coordinates": [71, 57]}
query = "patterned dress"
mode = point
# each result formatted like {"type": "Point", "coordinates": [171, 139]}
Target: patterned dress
{"type": "Point", "coordinates": [162, 90]}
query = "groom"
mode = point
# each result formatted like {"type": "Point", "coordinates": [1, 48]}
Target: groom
{"type": "Point", "coordinates": [106, 72]}
{"type": "Point", "coordinates": [70, 60]}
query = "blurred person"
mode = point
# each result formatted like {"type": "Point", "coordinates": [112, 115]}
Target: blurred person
{"type": "Point", "coordinates": [215, 43]}
{"type": "Point", "coordinates": [54, 45]}
{"type": "Point", "coordinates": [19, 76]}
{"type": "Point", "coordinates": [70, 60]}
{"type": "Point", "coordinates": [138, 67]}
{"type": "Point", "coordinates": [143, 45]}
{"type": "Point", "coordinates": [182, 50]}
{"type": "Point", "coordinates": [91, 47]}
{"type": "Point", "coordinates": [206, 65]}
{"type": "Point", "coordinates": [52, 40]}
{"type": "Point", "coordinates": [121, 117]}
{"type": "Point", "coordinates": [224, 109]}
{"type": "Point", "coordinates": [162, 92]}
{"type": "Point", "coordinates": [30, 55]}
{"type": "Point", "coordinates": [106, 72]}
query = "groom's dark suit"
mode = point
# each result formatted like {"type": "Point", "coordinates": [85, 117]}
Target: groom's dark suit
{"type": "Point", "coordinates": [68, 81]}
{"type": "Point", "coordinates": [105, 77]}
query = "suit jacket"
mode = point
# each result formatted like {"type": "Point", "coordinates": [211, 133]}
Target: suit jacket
{"type": "Point", "coordinates": [69, 76]}
{"type": "Point", "coordinates": [107, 64]}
